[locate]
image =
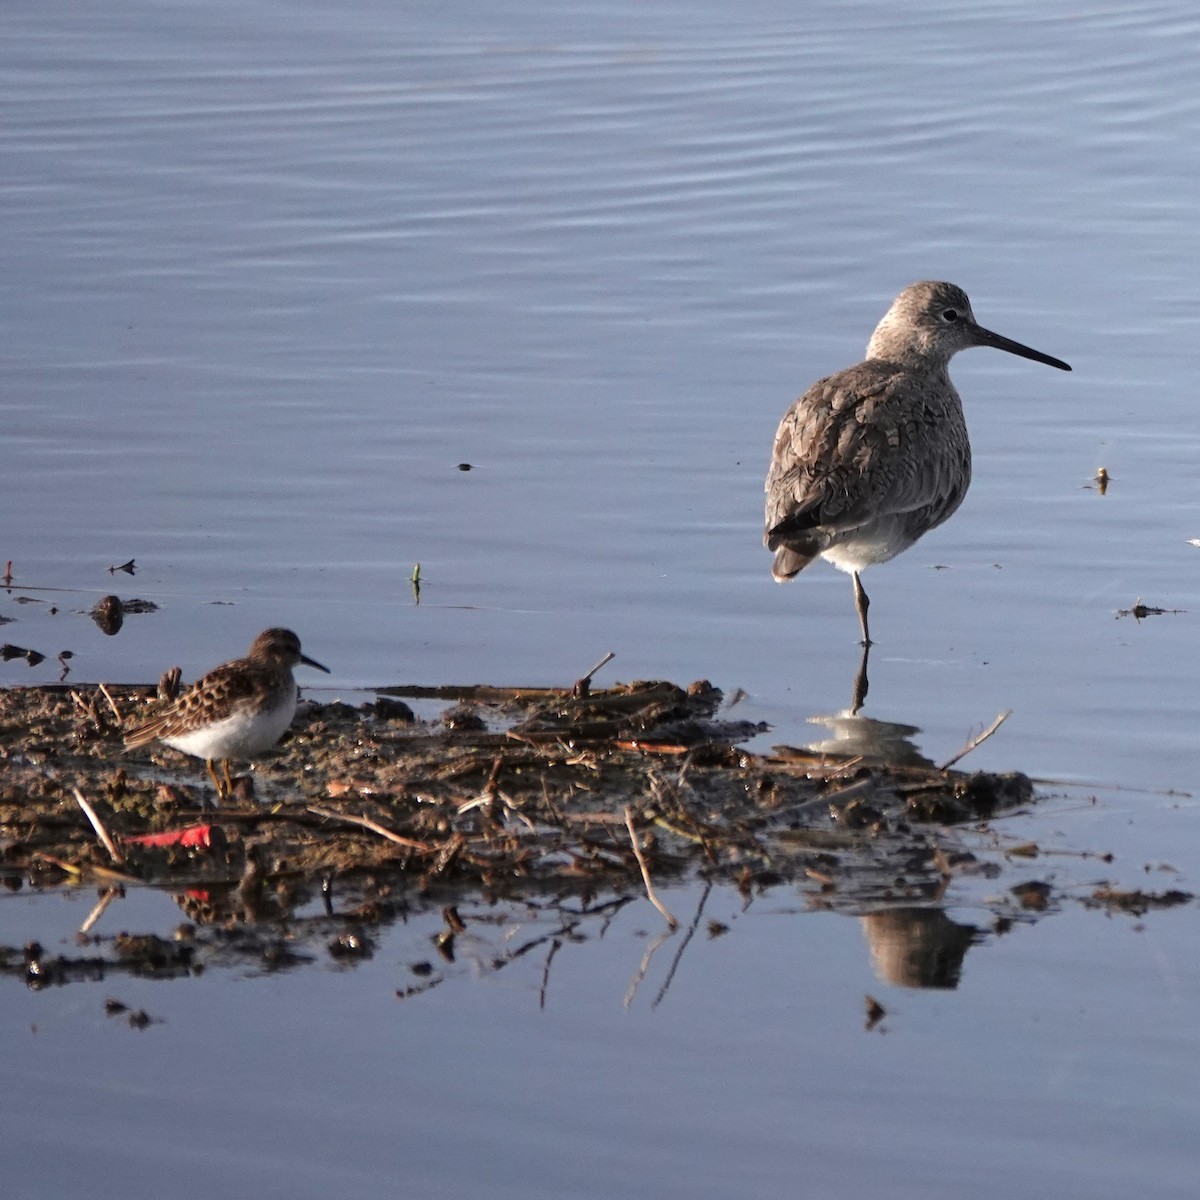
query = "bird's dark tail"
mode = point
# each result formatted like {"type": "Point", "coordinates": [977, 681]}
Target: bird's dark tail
{"type": "Point", "coordinates": [789, 562]}
{"type": "Point", "coordinates": [793, 543]}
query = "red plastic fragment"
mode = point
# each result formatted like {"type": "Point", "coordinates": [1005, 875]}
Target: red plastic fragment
{"type": "Point", "coordinates": [194, 835]}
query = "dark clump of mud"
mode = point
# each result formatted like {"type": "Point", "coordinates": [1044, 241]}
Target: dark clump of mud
{"type": "Point", "coordinates": [513, 793]}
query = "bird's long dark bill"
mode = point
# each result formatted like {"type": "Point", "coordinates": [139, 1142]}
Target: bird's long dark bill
{"type": "Point", "coordinates": [987, 338]}
{"type": "Point", "coordinates": [312, 662]}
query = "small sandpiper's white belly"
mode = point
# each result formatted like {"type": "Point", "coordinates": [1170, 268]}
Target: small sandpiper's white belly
{"type": "Point", "coordinates": [239, 736]}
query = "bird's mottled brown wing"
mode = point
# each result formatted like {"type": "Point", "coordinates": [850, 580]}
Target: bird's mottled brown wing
{"type": "Point", "coordinates": [224, 690]}
{"type": "Point", "coordinates": [860, 445]}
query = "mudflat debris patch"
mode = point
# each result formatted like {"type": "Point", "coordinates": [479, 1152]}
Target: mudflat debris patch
{"type": "Point", "coordinates": [511, 794]}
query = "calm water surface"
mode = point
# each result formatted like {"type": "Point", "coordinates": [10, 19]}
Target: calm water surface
{"type": "Point", "coordinates": [272, 272]}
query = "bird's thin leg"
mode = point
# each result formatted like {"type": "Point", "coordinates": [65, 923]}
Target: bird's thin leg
{"type": "Point", "coordinates": [861, 603]}
{"type": "Point", "coordinates": [212, 774]}
{"type": "Point", "coordinates": [228, 779]}
{"type": "Point", "coordinates": [861, 683]}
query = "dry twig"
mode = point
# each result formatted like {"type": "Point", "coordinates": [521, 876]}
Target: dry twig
{"type": "Point", "coordinates": [977, 741]}
{"type": "Point", "coordinates": [98, 826]}
{"type": "Point", "coordinates": [111, 702]}
{"type": "Point", "coordinates": [583, 685]}
{"type": "Point", "coordinates": [374, 827]}
{"type": "Point", "coordinates": [645, 869]}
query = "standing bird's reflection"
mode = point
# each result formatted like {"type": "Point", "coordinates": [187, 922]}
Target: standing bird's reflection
{"type": "Point", "coordinates": [918, 947]}
{"type": "Point", "coordinates": [870, 459]}
{"type": "Point", "coordinates": [888, 743]}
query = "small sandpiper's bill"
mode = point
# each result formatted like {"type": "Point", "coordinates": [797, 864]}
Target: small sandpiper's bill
{"type": "Point", "coordinates": [237, 711]}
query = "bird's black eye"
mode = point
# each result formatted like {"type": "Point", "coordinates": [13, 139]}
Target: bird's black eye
{"type": "Point", "coordinates": [950, 315]}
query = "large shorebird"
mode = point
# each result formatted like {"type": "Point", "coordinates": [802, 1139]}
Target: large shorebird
{"type": "Point", "coordinates": [239, 710]}
{"type": "Point", "coordinates": [869, 459]}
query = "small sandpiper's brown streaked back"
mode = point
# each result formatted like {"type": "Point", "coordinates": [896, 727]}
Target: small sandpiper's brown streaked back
{"type": "Point", "coordinates": [237, 711]}
{"type": "Point", "coordinates": [870, 459]}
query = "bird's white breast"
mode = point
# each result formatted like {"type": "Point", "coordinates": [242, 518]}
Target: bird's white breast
{"type": "Point", "coordinates": [240, 735]}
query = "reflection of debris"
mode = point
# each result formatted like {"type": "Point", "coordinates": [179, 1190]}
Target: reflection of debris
{"type": "Point", "coordinates": [1137, 902]}
{"type": "Point", "coordinates": [1140, 611]}
{"type": "Point", "coordinates": [875, 1012]}
{"type": "Point", "coordinates": [1033, 895]}
{"type": "Point", "coordinates": [8, 652]}
{"type": "Point", "coordinates": [138, 1018]}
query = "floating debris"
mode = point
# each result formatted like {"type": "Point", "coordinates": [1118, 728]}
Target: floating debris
{"type": "Point", "coordinates": [8, 652]}
{"type": "Point", "coordinates": [109, 615]}
{"type": "Point", "coordinates": [1140, 611]}
{"type": "Point", "coordinates": [1137, 902]}
{"type": "Point", "coordinates": [128, 567]}
{"type": "Point", "coordinates": [1034, 895]}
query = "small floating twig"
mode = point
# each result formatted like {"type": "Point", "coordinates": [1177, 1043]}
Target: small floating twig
{"type": "Point", "coordinates": [645, 869]}
{"type": "Point", "coordinates": [977, 741]}
{"type": "Point", "coordinates": [98, 826]}
{"type": "Point", "coordinates": [1140, 611]}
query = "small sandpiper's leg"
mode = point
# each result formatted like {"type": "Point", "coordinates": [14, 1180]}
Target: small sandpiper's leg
{"type": "Point", "coordinates": [212, 774]}
{"type": "Point", "coordinates": [861, 603]}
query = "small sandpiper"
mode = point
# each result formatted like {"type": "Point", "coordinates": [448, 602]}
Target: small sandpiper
{"type": "Point", "coordinates": [237, 711]}
{"type": "Point", "coordinates": [874, 457]}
